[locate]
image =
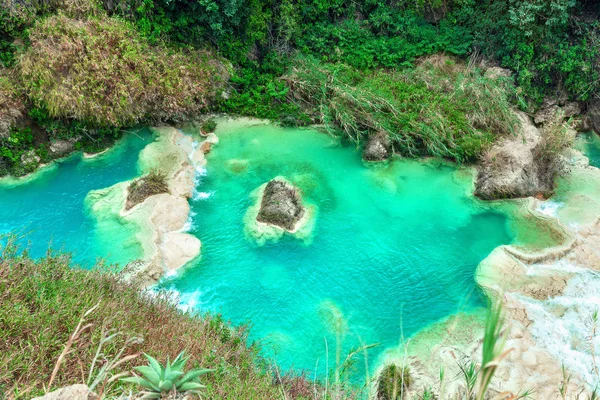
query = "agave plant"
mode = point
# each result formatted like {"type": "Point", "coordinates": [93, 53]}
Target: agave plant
{"type": "Point", "coordinates": [159, 380]}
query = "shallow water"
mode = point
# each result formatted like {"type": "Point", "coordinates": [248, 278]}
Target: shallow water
{"type": "Point", "coordinates": [589, 144]}
{"type": "Point", "coordinates": [48, 208]}
{"type": "Point", "coordinates": [394, 248]}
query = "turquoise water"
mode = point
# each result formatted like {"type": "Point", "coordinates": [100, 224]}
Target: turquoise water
{"type": "Point", "coordinates": [589, 144]}
{"type": "Point", "coordinates": [394, 247]}
{"type": "Point", "coordinates": [49, 209]}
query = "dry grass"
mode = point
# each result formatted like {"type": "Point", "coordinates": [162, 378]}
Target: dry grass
{"type": "Point", "coordinates": [140, 189]}
{"type": "Point", "coordinates": [12, 107]}
{"type": "Point", "coordinates": [101, 71]}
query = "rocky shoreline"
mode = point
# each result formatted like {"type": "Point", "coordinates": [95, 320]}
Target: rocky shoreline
{"type": "Point", "coordinates": [549, 297]}
{"type": "Point", "coordinates": [161, 218]}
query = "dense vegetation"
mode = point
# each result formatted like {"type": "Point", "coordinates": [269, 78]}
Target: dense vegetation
{"type": "Point", "coordinates": [84, 69]}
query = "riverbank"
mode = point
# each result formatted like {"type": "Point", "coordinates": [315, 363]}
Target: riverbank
{"type": "Point", "coordinates": [549, 294]}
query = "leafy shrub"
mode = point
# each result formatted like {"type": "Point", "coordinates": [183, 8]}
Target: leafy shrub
{"type": "Point", "coordinates": [100, 71]}
{"type": "Point", "coordinates": [209, 126]}
{"type": "Point", "coordinates": [159, 380]}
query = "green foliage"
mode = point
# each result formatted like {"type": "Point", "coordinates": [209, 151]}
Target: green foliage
{"type": "Point", "coordinates": [258, 91]}
{"type": "Point", "coordinates": [390, 39]}
{"type": "Point", "coordinates": [159, 380]}
{"type": "Point", "coordinates": [16, 144]}
{"type": "Point", "coordinates": [441, 108]}
{"type": "Point", "coordinates": [545, 42]}
{"type": "Point", "coordinates": [209, 126]}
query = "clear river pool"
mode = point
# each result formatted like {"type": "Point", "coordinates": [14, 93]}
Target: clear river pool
{"type": "Point", "coordinates": [394, 247]}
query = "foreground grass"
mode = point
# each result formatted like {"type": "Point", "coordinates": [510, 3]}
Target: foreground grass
{"type": "Point", "coordinates": [41, 303]}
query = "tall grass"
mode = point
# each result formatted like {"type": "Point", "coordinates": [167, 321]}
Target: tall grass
{"type": "Point", "coordinates": [441, 108]}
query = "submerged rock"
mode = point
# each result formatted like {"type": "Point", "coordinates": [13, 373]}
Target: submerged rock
{"type": "Point", "coordinates": [377, 148]}
{"type": "Point", "coordinates": [281, 205]}
{"type": "Point", "coordinates": [511, 169]}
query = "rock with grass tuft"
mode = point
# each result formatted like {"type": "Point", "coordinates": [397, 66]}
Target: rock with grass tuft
{"type": "Point", "coordinates": [281, 205]}
{"type": "Point", "coordinates": [140, 189]}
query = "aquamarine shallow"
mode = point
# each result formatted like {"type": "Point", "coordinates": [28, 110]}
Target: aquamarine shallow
{"type": "Point", "coordinates": [50, 208]}
{"type": "Point", "coordinates": [394, 249]}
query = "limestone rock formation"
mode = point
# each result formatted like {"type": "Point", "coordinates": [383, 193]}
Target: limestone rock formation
{"type": "Point", "coordinates": [510, 169]}
{"type": "Point", "coordinates": [281, 205]}
{"type": "Point", "coordinates": [551, 108]}
{"type": "Point", "coordinates": [377, 148]}
{"type": "Point", "coordinates": [60, 148]}
{"type": "Point", "coordinates": [30, 158]}
{"type": "Point", "coordinates": [593, 115]}
{"type": "Point", "coordinates": [73, 392]}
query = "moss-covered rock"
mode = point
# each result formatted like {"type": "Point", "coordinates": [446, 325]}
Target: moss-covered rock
{"type": "Point", "coordinates": [281, 205]}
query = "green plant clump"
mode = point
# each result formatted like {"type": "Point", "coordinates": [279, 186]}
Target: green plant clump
{"type": "Point", "coordinates": [102, 72]}
{"type": "Point", "coordinates": [441, 108]}
{"type": "Point", "coordinates": [393, 382]}
{"type": "Point", "coordinates": [159, 380]}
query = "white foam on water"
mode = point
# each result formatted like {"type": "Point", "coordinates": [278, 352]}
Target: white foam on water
{"type": "Point", "coordinates": [170, 274]}
{"type": "Point", "coordinates": [200, 170]}
{"type": "Point", "coordinates": [563, 325]}
{"type": "Point", "coordinates": [189, 301]}
{"type": "Point", "coordinates": [189, 224]}
{"type": "Point", "coordinates": [549, 208]}
{"type": "Point", "coordinates": [202, 195]}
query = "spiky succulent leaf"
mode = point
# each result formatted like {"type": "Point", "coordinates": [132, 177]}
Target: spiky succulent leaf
{"type": "Point", "coordinates": [189, 386]}
{"type": "Point", "coordinates": [142, 382]}
{"type": "Point", "coordinates": [165, 385]}
{"type": "Point", "coordinates": [148, 372]}
{"type": "Point", "coordinates": [173, 375]}
{"type": "Point", "coordinates": [193, 375]}
{"type": "Point", "coordinates": [155, 364]}
{"type": "Point", "coordinates": [179, 361]}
